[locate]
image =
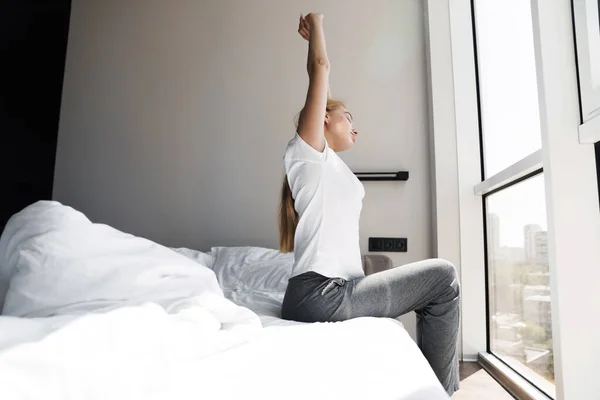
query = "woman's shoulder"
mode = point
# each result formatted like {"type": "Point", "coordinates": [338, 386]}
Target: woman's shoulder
{"type": "Point", "coordinates": [298, 149]}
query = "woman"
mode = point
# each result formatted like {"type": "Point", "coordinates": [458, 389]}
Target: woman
{"type": "Point", "coordinates": [319, 213]}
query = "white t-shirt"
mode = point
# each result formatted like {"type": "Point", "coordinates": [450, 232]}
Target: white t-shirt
{"type": "Point", "coordinates": [328, 200]}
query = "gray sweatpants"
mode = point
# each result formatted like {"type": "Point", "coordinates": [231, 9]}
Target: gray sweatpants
{"type": "Point", "coordinates": [430, 288]}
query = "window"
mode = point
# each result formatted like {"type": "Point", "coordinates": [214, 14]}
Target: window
{"type": "Point", "coordinates": [520, 322]}
{"type": "Point", "coordinates": [463, 68]}
{"type": "Point", "coordinates": [507, 81]}
{"type": "Point", "coordinates": [513, 189]}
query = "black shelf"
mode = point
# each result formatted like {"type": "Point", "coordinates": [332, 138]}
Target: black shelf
{"type": "Point", "coordinates": [382, 176]}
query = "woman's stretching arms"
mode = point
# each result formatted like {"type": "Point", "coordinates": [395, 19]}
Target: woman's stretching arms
{"type": "Point", "coordinates": [312, 117]}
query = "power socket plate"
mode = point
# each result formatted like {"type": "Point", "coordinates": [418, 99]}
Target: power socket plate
{"type": "Point", "coordinates": [382, 244]}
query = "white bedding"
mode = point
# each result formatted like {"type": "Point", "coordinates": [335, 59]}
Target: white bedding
{"type": "Point", "coordinates": [364, 358]}
{"type": "Point", "coordinates": [113, 316]}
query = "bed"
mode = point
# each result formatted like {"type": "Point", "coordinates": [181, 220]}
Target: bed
{"type": "Point", "coordinates": [90, 312]}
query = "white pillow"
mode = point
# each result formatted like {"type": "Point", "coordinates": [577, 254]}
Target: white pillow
{"type": "Point", "coordinates": [200, 257]}
{"type": "Point", "coordinates": [252, 268]}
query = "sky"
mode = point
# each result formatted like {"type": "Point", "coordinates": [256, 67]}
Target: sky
{"type": "Point", "coordinates": [510, 111]}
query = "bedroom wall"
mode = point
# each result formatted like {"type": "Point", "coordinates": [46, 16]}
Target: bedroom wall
{"type": "Point", "coordinates": [175, 115]}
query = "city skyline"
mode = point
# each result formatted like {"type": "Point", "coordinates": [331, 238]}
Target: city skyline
{"type": "Point", "coordinates": [512, 209]}
{"type": "Point", "coordinates": [534, 248]}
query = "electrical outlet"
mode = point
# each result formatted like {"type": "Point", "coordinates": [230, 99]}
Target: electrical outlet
{"type": "Point", "coordinates": [401, 245]}
{"type": "Point", "coordinates": [388, 244]}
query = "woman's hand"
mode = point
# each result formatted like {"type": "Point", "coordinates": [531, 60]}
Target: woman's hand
{"type": "Point", "coordinates": [308, 21]}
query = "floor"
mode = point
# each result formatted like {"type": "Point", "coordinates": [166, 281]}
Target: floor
{"type": "Point", "coordinates": [476, 384]}
{"type": "Point", "coordinates": [467, 369]}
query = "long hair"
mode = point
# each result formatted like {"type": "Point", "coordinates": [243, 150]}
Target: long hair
{"type": "Point", "coordinates": [288, 217]}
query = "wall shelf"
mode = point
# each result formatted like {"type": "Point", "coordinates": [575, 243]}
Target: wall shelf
{"type": "Point", "coordinates": [382, 176]}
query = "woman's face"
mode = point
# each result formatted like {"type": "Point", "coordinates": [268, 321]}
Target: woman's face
{"type": "Point", "coordinates": [339, 132]}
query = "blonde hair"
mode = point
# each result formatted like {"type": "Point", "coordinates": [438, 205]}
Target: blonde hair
{"type": "Point", "coordinates": [288, 217]}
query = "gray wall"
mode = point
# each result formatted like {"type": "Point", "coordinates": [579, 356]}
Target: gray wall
{"type": "Point", "coordinates": [175, 115]}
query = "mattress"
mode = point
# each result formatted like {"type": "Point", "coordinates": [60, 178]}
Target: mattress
{"type": "Point", "coordinates": [363, 358]}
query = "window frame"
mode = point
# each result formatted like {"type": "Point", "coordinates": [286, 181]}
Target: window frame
{"type": "Point", "coordinates": [586, 37]}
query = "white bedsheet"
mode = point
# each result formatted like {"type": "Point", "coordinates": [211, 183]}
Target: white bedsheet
{"type": "Point", "coordinates": [112, 316]}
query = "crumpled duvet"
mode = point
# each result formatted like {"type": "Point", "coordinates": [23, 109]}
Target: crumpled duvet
{"type": "Point", "coordinates": [90, 312]}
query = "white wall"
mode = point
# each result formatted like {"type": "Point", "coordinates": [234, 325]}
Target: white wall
{"type": "Point", "coordinates": [175, 115]}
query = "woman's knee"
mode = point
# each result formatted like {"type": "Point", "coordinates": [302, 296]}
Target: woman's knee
{"type": "Point", "coordinates": [448, 275]}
